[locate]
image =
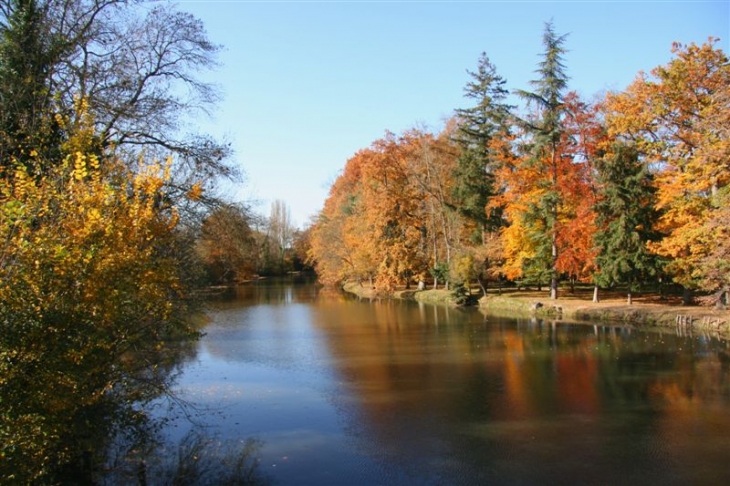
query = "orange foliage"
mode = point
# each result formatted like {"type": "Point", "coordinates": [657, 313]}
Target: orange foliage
{"type": "Point", "coordinates": [679, 119]}
{"type": "Point", "coordinates": [383, 211]}
{"type": "Point", "coordinates": [569, 177]}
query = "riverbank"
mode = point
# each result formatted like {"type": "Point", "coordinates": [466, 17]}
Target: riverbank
{"type": "Point", "coordinates": [647, 310]}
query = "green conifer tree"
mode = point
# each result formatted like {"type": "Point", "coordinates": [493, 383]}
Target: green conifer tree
{"type": "Point", "coordinates": [478, 125]}
{"type": "Point", "coordinates": [625, 217]}
{"type": "Point", "coordinates": [543, 131]}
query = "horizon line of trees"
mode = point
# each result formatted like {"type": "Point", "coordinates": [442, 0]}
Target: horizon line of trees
{"type": "Point", "coordinates": [627, 190]}
{"type": "Point", "coordinates": [236, 245]}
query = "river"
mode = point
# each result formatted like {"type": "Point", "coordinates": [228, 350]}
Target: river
{"type": "Point", "coordinates": [347, 392]}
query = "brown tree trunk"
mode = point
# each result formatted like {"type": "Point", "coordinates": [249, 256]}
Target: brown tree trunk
{"type": "Point", "coordinates": [554, 270]}
{"type": "Point", "coordinates": [554, 236]}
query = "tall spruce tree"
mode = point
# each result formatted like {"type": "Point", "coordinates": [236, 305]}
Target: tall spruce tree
{"type": "Point", "coordinates": [543, 130]}
{"type": "Point", "coordinates": [625, 218]}
{"type": "Point", "coordinates": [478, 125]}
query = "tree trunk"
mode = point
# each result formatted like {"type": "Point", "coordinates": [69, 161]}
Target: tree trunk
{"type": "Point", "coordinates": [554, 236]}
{"type": "Point", "coordinates": [629, 298]}
{"type": "Point", "coordinates": [483, 286]}
{"type": "Point", "coordinates": [687, 296]}
{"type": "Point", "coordinates": [554, 270]}
{"type": "Point", "coordinates": [595, 294]}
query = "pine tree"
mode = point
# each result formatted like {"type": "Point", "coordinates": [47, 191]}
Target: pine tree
{"type": "Point", "coordinates": [544, 131]}
{"type": "Point", "coordinates": [625, 217]}
{"type": "Point", "coordinates": [478, 126]}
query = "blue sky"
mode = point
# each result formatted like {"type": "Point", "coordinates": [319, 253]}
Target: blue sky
{"type": "Point", "coordinates": [307, 84]}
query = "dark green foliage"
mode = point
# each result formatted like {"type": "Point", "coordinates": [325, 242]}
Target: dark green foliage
{"type": "Point", "coordinates": [462, 295]}
{"type": "Point", "coordinates": [478, 125]}
{"type": "Point", "coordinates": [474, 188]}
{"type": "Point", "coordinates": [625, 215]}
{"type": "Point", "coordinates": [548, 95]}
{"type": "Point", "coordinates": [440, 273]}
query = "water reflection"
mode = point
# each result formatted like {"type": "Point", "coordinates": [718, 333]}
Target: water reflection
{"type": "Point", "coordinates": [198, 458]}
{"type": "Point", "coordinates": [388, 392]}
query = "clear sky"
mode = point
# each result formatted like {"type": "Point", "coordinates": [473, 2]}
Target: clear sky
{"type": "Point", "coordinates": [307, 84]}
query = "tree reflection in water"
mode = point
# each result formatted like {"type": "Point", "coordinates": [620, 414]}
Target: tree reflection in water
{"type": "Point", "coordinates": [197, 459]}
{"type": "Point", "coordinates": [54, 431]}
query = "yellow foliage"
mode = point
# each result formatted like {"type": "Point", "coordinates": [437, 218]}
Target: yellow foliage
{"type": "Point", "coordinates": [195, 192]}
{"type": "Point", "coordinates": [82, 272]}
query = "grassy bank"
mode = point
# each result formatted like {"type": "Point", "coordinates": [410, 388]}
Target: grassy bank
{"type": "Point", "coordinates": [647, 310]}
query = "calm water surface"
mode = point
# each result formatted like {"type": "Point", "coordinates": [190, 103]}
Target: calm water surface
{"type": "Point", "coordinates": [348, 392]}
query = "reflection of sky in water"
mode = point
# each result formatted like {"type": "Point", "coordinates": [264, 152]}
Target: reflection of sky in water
{"type": "Point", "coordinates": [264, 371]}
{"type": "Point", "coordinates": [346, 392]}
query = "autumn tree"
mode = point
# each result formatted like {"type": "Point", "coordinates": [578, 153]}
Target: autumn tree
{"type": "Point", "coordinates": [301, 245]}
{"type": "Point", "coordinates": [134, 67]}
{"type": "Point", "coordinates": [532, 240]}
{"type": "Point", "coordinates": [678, 117]}
{"type": "Point", "coordinates": [625, 219]}
{"type": "Point", "coordinates": [387, 218]}
{"type": "Point", "coordinates": [391, 202]}
{"type": "Point", "coordinates": [334, 251]}
{"type": "Point", "coordinates": [91, 291]}
{"type": "Point", "coordinates": [431, 169]}
{"type": "Point", "coordinates": [226, 244]}
{"type": "Point", "coordinates": [583, 144]}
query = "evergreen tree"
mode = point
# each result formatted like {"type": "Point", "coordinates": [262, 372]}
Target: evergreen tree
{"type": "Point", "coordinates": [478, 125]}
{"type": "Point", "coordinates": [544, 131]}
{"type": "Point", "coordinates": [625, 217]}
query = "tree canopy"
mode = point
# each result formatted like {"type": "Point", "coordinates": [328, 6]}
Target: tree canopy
{"type": "Point", "coordinates": [625, 190]}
